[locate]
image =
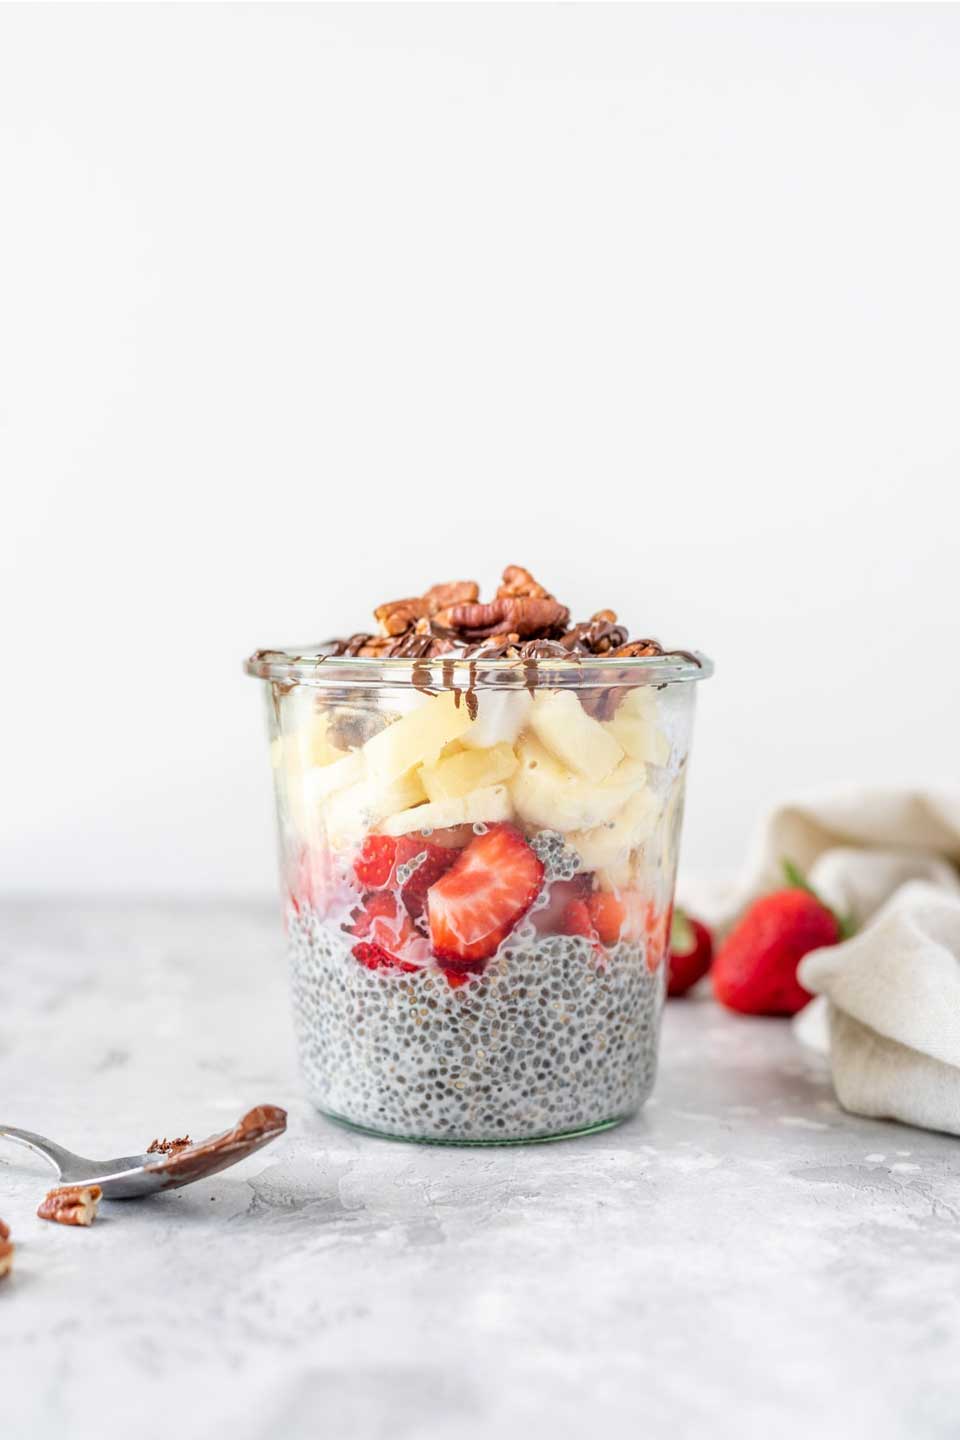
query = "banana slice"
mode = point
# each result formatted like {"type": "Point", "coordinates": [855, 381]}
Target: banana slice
{"type": "Point", "coordinates": [548, 795]}
{"type": "Point", "coordinates": [491, 804]}
{"type": "Point", "coordinates": [578, 741]}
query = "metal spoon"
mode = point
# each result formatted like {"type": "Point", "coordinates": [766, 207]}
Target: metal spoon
{"type": "Point", "coordinates": [131, 1176]}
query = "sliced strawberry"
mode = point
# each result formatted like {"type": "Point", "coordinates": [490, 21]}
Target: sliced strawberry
{"type": "Point", "coordinates": [490, 886]}
{"type": "Point", "coordinates": [548, 918]}
{"type": "Point", "coordinates": [374, 957]}
{"type": "Point", "coordinates": [437, 861]}
{"type": "Point", "coordinates": [385, 928]}
{"type": "Point", "coordinates": [373, 867]}
{"type": "Point", "coordinates": [576, 920]}
{"type": "Point", "coordinates": [608, 914]}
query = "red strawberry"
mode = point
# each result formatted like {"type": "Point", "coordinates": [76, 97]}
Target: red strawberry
{"type": "Point", "coordinates": [607, 914]}
{"type": "Point", "coordinates": [548, 918]}
{"type": "Point", "coordinates": [576, 920]}
{"type": "Point", "coordinates": [756, 967]}
{"type": "Point", "coordinates": [382, 857]}
{"type": "Point", "coordinates": [386, 933]}
{"type": "Point", "coordinates": [374, 957]}
{"type": "Point", "coordinates": [691, 950]}
{"type": "Point", "coordinates": [438, 860]}
{"type": "Point", "coordinates": [490, 886]}
{"type": "Point", "coordinates": [374, 865]}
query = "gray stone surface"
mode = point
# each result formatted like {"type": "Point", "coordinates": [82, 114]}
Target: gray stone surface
{"type": "Point", "coordinates": [742, 1260]}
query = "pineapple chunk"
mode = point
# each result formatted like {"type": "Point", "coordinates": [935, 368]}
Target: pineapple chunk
{"type": "Point", "coordinates": [640, 737]}
{"type": "Point", "coordinates": [641, 701]}
{"type": "Point", "coordinates": [501, 715]}
{"type": "Point", "coordinates": [574, 737]}
{"type": "Point", "coordinates": [548, 795]}
{"type": "Point", "coordinates": [306, 747]}
{"type": "Point", "coordinates": [607, 846]}
{"type": "Point", "coordinates": [458, 774]}
{"type": "Point", "coordinates": [416, 738]}
{"type": "Point", "coordinates": [492, 805]}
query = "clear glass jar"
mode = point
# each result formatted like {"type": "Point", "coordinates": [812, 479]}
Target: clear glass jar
{"type": "Point", "coordinates": [478, 864]}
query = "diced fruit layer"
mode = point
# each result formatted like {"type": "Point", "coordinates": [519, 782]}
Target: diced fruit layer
{"type": "Point", "coordinates": [489, 888]}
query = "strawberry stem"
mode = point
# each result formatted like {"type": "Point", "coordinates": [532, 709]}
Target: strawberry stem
{"type": "Point", "coordinates": [798, 881]}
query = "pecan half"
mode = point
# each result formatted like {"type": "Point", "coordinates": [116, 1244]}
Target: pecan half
{"type": "Point", "coordinates": [396, 616]}
{"type": "Point", "coordinates": [6, 1250]}
{"type": "Point", "coordinates": [71, 1204]}
{"type": "Point", "coordinates": [524, 616]}
{"type": "Point", "coordinates": [640, 647]}
{"type": "Point", "coordinates": [518, 583]}
{"type": "Point", "coordinates": [451, 592]}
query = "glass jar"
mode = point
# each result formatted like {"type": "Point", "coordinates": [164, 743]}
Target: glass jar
{"type": "Point", "coordinates": [478, 864]}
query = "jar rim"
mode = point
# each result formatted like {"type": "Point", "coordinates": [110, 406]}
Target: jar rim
{"type": "Point", "coordinates": [316, 667]}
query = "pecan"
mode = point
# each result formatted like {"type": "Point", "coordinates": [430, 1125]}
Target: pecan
{"type": "Point", "coordinates": [451, 592]}
{"type": "Point", "coordinates": [399, 615]}
{"type": "Point", "coordinates": [518, 583]}
{"type": "Point", "coordinates": [525, 616]}
{"type": "Point", "coordinates": [71, 1204]}
{"type": "Point", "coordinates": [6, 1250]}
{"type": "Point", "coordinates": [596, 636]}
{"type": "Point", "coordinates": [640, 647]}
{"type": "Point", "coordinates": [168, 1147]}
{"type": "Point", "coordinates": [375, 646]}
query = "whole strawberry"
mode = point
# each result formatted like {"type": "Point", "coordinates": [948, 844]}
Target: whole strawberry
{"type": "Point", "coordinates": [691, 950]}
{"type": "Point", "coordinates": [756, 966]}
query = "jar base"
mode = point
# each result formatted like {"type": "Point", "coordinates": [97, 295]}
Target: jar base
{"type": "Point", "coordinates": [468, 1143]}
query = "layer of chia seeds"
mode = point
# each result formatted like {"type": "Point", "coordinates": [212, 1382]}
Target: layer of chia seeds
{"type": "Point", "coordinates": [551, 1038]}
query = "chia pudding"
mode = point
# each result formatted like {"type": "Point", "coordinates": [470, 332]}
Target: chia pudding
{"type": "Point", "coordinates": [479, 816]}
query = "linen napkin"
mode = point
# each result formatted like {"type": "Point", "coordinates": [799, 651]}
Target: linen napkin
{"type": "Point", "coordinates": [889, 1016]}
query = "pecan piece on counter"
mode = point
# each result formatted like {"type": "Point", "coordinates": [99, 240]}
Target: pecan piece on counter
{"type": "Point", "coordinates": [71, 1204]}
{"type": "Point", "coordinates": [518, 583]}
{"type": "Point", "coordinates": [526, 616]}
{"type": "Point", "coordinates": [6, 1250]}
{"type": "Point", "coordinates": [396, 616]}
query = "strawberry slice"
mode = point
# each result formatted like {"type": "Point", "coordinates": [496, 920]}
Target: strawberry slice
{"type": "Point", "coordinates": [576, 920]}
{"type": "Point", "coordinates": [386, 934]}
{"type": "Point", "coordinates": [490, 886]}
{"type": "Point", "coordinates": [436, 862]}
{"type": "Point", "coordinates": [374, 865]}
{"type": "Point", "coordinates": [607, 914]}
{"type": "Point", "coordinates": [385, 862]}
{"type": "Point", "coordinates": [374, 957]}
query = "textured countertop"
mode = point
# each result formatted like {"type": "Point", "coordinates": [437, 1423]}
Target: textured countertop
{"type": "Point", "coordinates": [743, 1259]}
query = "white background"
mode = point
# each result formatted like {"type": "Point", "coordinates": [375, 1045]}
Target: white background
{"type": "Point", "coordinates": [304, 308]}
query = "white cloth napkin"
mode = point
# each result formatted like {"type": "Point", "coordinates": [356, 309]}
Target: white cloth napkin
{"type": "Point", "coordinates": [889, 1018]}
